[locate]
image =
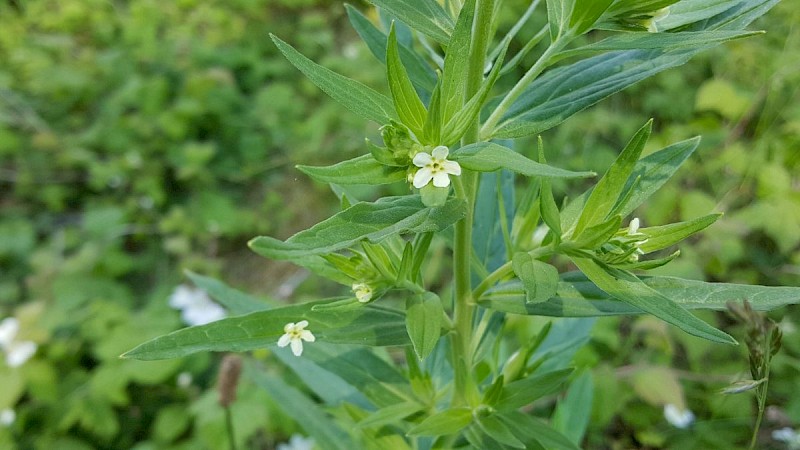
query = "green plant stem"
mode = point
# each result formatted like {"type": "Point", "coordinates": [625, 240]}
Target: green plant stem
{"type": "Point", "coordinates": [506, 270]}
{"type": "Point", "coordinates": [535, 70]}
{"type": "Point", "coordinates": [762, 403]}
{"type": "Point", "coordinates": [466, 390]}
{"type": "Point", "coordinates": [229, 426]}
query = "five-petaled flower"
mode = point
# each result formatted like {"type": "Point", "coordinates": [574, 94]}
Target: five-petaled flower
{"type": "Point", "coordinates": [363, 292]}
{"type": "Point", "coordinates": [295, 334]}
{"type": "Point", "coordinates": [434, 166]}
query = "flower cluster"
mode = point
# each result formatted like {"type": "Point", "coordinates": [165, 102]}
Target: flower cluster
{"type": "Point", "coordinates": [195, 305]}
{"type": "Point", "coordinates": [17, 352]}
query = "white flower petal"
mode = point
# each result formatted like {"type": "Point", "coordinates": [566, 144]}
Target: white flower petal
{"type": "Point", "coordinates": [440, 152]}
{"type": "Point", "coordinates": [7, 417]}
{"type": "Point", "coordinates": [284, 340]}
{"type": "Point", "coordinates": [678, 418]}
{"type": "Point", "coordinates": [288, 327]}
{"type": "Point", "coordinates": [633, 227]}
{"type": "Point", "coordinates": [451, 167]}
{"type": "Point", "coordinates": [9, 328]}
{"type": "Point", "coordinates": [297, 347]}
{"type": "Point", "coordinates": [423, 177]}
{"type": "Point", "coordinates": [302, 324]}
{"type": "Point", "coordinates": [422, 159]}
{"type": "Point", "coordinates": [20, 352]}
{"type": "Point", "coordinates": [307, 336]}
{"type": "Point", "coordinates": [441, 179]}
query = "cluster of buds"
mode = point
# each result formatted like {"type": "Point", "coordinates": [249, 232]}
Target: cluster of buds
{"type": "Point", "coordinates": [624, 247]}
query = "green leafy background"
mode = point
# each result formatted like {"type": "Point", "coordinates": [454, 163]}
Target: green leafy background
{"type": "Point", "coordinates": [143, 138]}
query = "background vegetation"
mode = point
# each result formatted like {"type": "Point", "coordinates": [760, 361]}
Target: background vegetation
{"type": "Point", "coordinates": [141, 138]}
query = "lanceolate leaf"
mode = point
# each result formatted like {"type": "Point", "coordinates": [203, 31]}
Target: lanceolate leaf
{"type": "Point", "coordinates": [456, 62]}
{"type": "Point", "coordinates": [356, 97]}
{"type": "Point", "coordinates": [578, 297]}
{"type": "Point", "coordinates": [372, 221]}
{"type": "Point", "coordinates": [406, 101]}
{"type": "Point", "coordinates": [663, 236]}
{"type": "Point", "coordinates": [424, 322]}
{"type": "Point", "coordinates": [528, 429]}
{"type": "Point", "coordinates": [523, 392]}
{"type": "Point", "coordinates": [449, 421]}
{"type": "Point", "coordinates": [361, 170]}
{"type": "Point", "coordinates": [488, 157]}
{"type": "Point", "coordinates": [425, 16]}
{"type": "Point", "coordinates": [368, 325]}
{"type": "Point", "coordinates": [633, 41]}
{"type": "Point", "coordinates": [420, 72]}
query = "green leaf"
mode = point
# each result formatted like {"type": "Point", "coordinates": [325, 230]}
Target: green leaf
{"type": "Point", "coordinates": [234, 300]}
{"type": "Point", "coordinates": [456, 63]}
{"type": "Point", "coordinates": [610, 188]}
{"type": "Point", "coordinates": [425, 16]}
{"type": "Point", "coordinates": [532, 430]}
{"type": "Point", "coordinates": [572, 413]}
{"type": "Point", "coordinates": [406, 101]}
{"type": "Point", "coordinates": [353, 95]}
{"type": "Point", "coordinates": [390, 415]}
{"type": "Point", "coordinates": [558, 17]}
{"type": "Point", "coordinates": [418, 69]}
{"type": "Point", "coordinates": [523, 392]}
{"type": "Point", "coordinates": [497, 430]}
{"type": "Point", "coordinates": [626, 287]}
{"type": "Point", "coordinates": [303, 410]}
{"type": "Point", "coordinates": [360, 170]}
{"type": "Point", "coordinates": [432, 131]}
{"type": "Point", "coordinates": [687, 12]}
{"type": "Point", "coordinates": [371, 221]}
{"type": "Point", "coordinates": [540, 279]}
{"type": "Point", "coordinates": [549, 209]}
{"type": "Point", "coordinates": [461, 121]}
{"type": "Point", "coordinates": [579, 297]}
{"type": "Point", "coordinates": [666, 41]}
{"type": "Point", "coordinates": [424, 322]}
{"type": "Point", "coordinates": [449, 421]}
{"type": "Point", "coordinates": [594, 236]}
{"type": "Point", "coordinates": [666, 235]}
{"type": "Point", "coordinates": [488, 157]}
{"type": "Point", "coordinates": [368, 325]}
{"type": "Point", "coordinates": [585, 13]}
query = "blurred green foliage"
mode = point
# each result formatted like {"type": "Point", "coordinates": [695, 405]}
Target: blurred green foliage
{"type": "Point", "coordinates": [139, 138]}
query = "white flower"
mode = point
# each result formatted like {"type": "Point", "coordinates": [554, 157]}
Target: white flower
{"type": "Point", "coordinates": [363, 292]}
{"type": "Point", "coordinates": [789, 436]}
{"type": "Point", "coordinates": [184, 380]}
{"type": "Point", "coordinates": [633, 227]}
{"type": "Point", "coordinates": [295, 334]}
{"type": "Point", "coordinates": [7, 417]}
{"type": "Point", "coordinates": [678, 418]}
{"type": "Point", "coordinates": [297, 442]}
{"type": "Point", "coordinates": [195, 305]}
{"type": "Point", "coordinates": [17, 352]}
{"type": "Point", "coordinates": [434, 166]}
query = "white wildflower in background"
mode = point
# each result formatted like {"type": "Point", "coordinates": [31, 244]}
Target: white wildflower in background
{"type": "Point", "coordinates": [788, 436]}
{"type": "Point", "coordinates": [17, 352]}
{"type": "Point", "coordinates": [295, 334]}
{"type": "Point", "coordinates": [363, 292]}
{"type": "Point", "coordinates": [678, 418]}
{"type": "Point", "coordinates": [7, 417]}
{"type": "Point", "coordinates": [297, 442]}
{"type": "Point", "coordinates": [434, 166]}
{"type": "Point", "coordinates": [195, 305]}
{"type": "Point", "coordinates": [184, 380]}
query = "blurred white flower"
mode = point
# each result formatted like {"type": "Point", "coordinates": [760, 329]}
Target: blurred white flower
{"type": "Point", "coordinates": [789, 436]}
{"type": "Point", "coordinates": [434, 166]}
{"type": "Point", "coordinates": [295, 334]}
{"type": "Point", "coordinates": [195, 305]}
{"type": "Point", "coordinates": [184, 380]}
{"type": "Point", "coordinates": [297, 442]}
{"type": "Point", "coordinates": [17, 352]}
{"type": "Point", "coordinates": [363, 292]}
{"type": "Point", "coordinates": [7, 417]}
{"type": "Point", "coordinates": [678, 418]}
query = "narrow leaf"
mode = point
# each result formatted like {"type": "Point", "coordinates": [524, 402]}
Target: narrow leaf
{"type": "Point", "coordinates": [497, 430]}
{"type": "Point", "coordinates": [425, 16]}
{"type": "Point", "coordinates": [523, 392]}
{"type": "Point", "coordinates": [424, 322]}
{"type": "Point", "coordinates": [390, 415]}
{"type": "Point", "coordinates": [488, 157]}
{"type": "Point", "coordinates": [666, 235]}
{"type": "Point", "coordinates": [456, 63]}
{"type": "Point", "coordinates": [374, 222]}
{"type": "Point", "coordinates": [353, 95]}
{"type": "Point", "coordinates": [532, 430]}
{"type": "Point", "coordinates": [585, 13]}
{"type": "Point", "coordinates": [406, 101]}
{"type": "Point", "coordinates": [360, 170]}
{"type": "Point", "coordinates": [626, 287]}
{"type": "Point", "coordinates": [572, 413]}
{"type": "Point", "coordinates": [449, 421]}
{"type": "Point", "coordinates": [234, 300]}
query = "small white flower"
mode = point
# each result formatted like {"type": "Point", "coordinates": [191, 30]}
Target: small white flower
{"type": "Point", "coordinates": [633, 227]}
{"type": "Point", "coordinates": [434, 166]}
{"type": "Point", "coordinates": [195, 305]}
{"type": "Point", "coordinates": [678, 418]}
{"type": "Point", "coordinates": [363, 292]}
{"type": "Point", "coordinates": [184, 380]}
{"type": "Point", "coordinates": [789, 436]}
{"type": "Point", "coordinates": [297, 442]}
{"type": "Point", "coordinates": [295, 334]}
{"type": "Point", "coordinates": [7, 417]}
{"type": "Point", "coordinates": [17, 352]}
